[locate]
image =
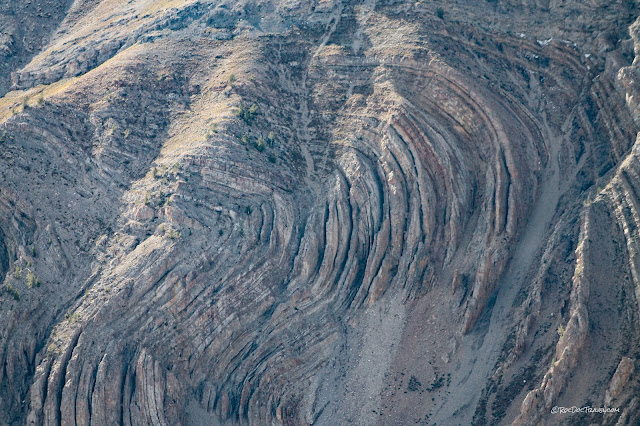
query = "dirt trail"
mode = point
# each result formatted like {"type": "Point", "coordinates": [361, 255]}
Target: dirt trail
{"type": "Point", "coordinates": [478, 353]}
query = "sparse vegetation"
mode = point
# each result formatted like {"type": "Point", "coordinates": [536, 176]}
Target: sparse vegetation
{"type": "Point", "coordinates": [13, 291]}
{"type": "Point", "coordinates": [32, 280]}
{"type": "Point", "coordinates": [438, 382]}
{"type": "Point", "coordinates": [414, 384]}
{"type": "Point", "coordinates": [561, 330]}
{"type": "Point", "coordinates": [52, 349]}
{"type": "Point", "coordinates": [247, 114]}
{"type": "Point", "coordinates": [72, 317]}
{"type": "Point", "coordinates": [232, 79]}
{"type": "Point", "coordinates": [173, 234]}
{"type": "Point", "coordinates": [212, 129]}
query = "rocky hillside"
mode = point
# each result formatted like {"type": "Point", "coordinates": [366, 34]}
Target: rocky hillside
{"type": "Point", "coordinates": [328, 212]}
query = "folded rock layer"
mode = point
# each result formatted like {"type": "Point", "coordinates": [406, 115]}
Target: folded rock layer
{"type": "Point", "coordinates": [319, 212]}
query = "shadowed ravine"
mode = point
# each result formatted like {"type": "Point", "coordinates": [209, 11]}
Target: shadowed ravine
{"type": "Point", "coordinates": [479, 353]}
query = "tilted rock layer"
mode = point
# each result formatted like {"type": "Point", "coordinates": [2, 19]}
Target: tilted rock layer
{"type": "Point", "coordinates": [319, 212]}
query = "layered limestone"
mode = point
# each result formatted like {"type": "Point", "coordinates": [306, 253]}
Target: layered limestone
{"type": "Point", "coordinates": [332, 212]}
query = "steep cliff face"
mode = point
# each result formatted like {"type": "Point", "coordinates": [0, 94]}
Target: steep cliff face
{"type": "Point", "coordinates": [265, 212]}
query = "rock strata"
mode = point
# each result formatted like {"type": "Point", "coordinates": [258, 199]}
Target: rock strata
{"type": "Point", "coordinates": [265, 212]}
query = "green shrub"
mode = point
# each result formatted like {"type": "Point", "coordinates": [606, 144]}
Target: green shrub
{"type": "Point", "coordinates": [52, 349]}
{"type": "Point", "coordinates": [32, 280]}
{"type": "Point", "coordinates": [440, 13]}
{"type": "Point", "coordinates": [212, 129]}
{"type": "Point", "coordinates": [247, 114]}
{"type": "Point", "coordinates": [13, 291]}
{"type": "Point", "coordinates": [414, 384]}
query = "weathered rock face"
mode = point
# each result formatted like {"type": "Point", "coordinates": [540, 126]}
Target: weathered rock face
{"type": "Point", "coordinates": [319, 212]}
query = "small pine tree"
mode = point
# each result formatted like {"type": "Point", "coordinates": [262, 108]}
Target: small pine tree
{"type": "Point", "coordinates": [32, 280]}
{"type": "Point", "coordinates": [13, 291]}
{"type": "Point", "coordinates": [173, 234]}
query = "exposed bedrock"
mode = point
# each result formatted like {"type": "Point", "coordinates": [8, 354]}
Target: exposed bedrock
{"type": "Point", "coordinates": [321, 213]}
